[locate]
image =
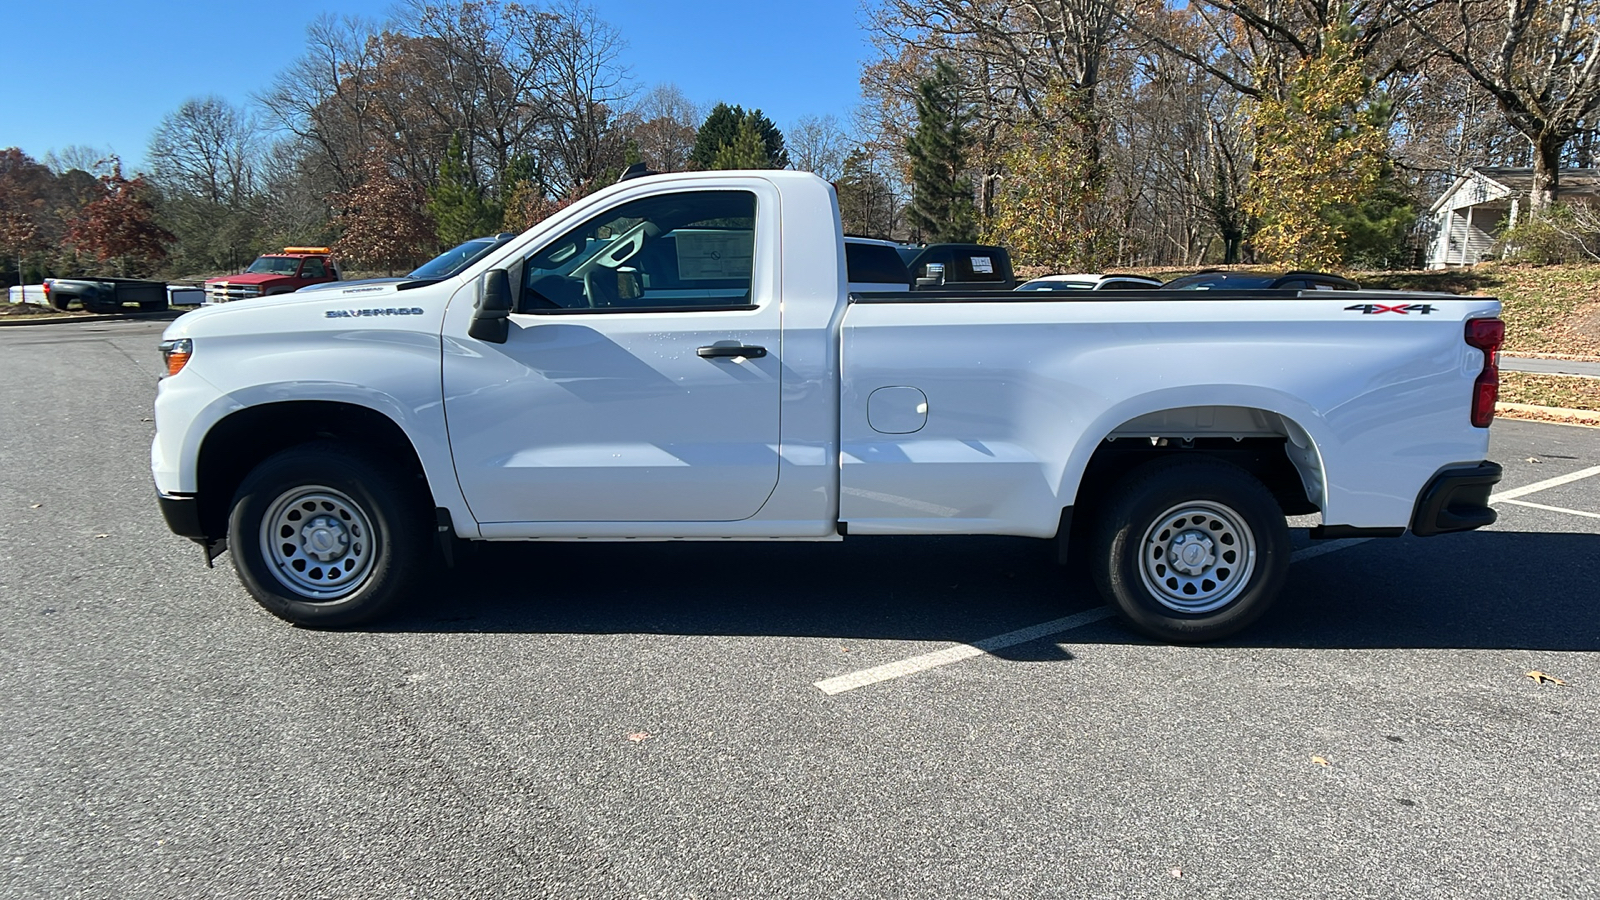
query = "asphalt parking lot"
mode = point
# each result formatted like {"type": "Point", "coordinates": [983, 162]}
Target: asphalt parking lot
{"type": "Point", "coordinates": [888, 717]}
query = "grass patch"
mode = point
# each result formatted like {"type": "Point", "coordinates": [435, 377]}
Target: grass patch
{"type": "Point", "coordinates": [29, 311]}
{"type": "Point", "coordinates": [1565, 391]}
{"type": "Point", "coordinates": [1548, 309]}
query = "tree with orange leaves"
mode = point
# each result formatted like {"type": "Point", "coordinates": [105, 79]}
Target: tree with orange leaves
{"type": "Point", "coordinates": [120, 225]}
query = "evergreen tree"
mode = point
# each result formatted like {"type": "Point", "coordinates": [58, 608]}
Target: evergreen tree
{"type": "Point", "coordinates": [721, 129]}
{"type": "Point", "coordinates": [747, 151]}
{"type": "Point", "coordinates": [941, 196]}
{"type": "Point", "coordinates": [458, 204]}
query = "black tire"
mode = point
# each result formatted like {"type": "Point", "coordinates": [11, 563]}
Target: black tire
{"type": "Point", "coordinates": [153, 306]}
{"type": "Point", "coordinates": [101, 307]}
{"type": "Point", "coordinates": [60, 302]}
{"type": "Point", "coordinates": [1191, 549]}
{"type": "Point", "coordinates": [369, 521]}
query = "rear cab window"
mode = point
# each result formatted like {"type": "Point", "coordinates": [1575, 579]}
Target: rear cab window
{"type": "Point", "coordinates": [874, 264]}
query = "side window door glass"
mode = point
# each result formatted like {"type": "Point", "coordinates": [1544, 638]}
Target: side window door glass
{"type": "Point", "coordinates": [672, 252]}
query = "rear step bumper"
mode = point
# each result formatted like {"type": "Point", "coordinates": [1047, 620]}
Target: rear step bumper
{"type": "Point", "coordinates": [1457, 499]}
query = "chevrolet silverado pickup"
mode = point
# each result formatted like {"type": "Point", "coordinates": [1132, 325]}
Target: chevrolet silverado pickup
{"type": "Point", "coordinates": [680, 357]}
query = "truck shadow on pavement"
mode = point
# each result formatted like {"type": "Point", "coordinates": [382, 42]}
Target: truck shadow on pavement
{"type": "Point", "coordinates": [1486, 590]}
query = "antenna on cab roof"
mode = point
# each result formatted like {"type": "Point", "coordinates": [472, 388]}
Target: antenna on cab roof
{"type": "Point", "coordinates": [637, 170]}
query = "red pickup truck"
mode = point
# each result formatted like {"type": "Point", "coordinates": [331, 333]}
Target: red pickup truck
{"type": "Point", "coordinates": [275, 273]}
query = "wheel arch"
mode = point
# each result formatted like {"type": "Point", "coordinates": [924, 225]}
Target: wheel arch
{"type": "Point", "coordinates": [1276, 438]}
{"type": "Point", "coordinates": [241, 440]}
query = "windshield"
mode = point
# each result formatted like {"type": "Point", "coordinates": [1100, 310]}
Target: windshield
{"type": "Point", "coordinates": [274, 265]}
{"type": "Point", "coordinates": [457, 259]}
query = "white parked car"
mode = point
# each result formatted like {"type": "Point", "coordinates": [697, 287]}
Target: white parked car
{"type": "Point", "coordinates": [679, 357]}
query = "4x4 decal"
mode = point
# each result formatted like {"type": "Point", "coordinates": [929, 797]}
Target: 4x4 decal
{"type": "Point", "coordinates": [1404, 309]}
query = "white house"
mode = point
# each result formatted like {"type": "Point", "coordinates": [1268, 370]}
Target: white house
{"type": "Point", "coordinates": [1472, 214]}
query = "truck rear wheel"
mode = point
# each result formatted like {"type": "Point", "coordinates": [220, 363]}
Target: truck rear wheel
{"type": "Point", "coordinates": [325, 535]}
{"type": "Point", "coordinates": [1192, 549]}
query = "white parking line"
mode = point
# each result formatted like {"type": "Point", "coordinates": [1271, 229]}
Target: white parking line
{"type": "Point", "coordinates": [1546, 484]}
{"type": "Point", "coordinates": [959, 652]}
{"type": "Point", "coordinates": [1559, 509]}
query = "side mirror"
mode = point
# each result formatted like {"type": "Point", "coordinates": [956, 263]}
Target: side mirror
{"type": "Point", "coordinates": [933, 278]}
{"type": "Point", "coordinates": [491, 320]}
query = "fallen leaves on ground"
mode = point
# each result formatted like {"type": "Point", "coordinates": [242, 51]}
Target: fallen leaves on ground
{"type": "Point", "coordinates": [1542, 678]}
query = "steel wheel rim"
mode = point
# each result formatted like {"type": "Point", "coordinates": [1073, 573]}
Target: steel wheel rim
{"type": "Point", "coordinates": [318, 542]}
{"type": "Point", "coordinates": [1197, 557]}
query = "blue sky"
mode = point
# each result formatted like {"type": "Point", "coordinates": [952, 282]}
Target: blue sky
{"type": "Point", "coordinates": [103, 74]}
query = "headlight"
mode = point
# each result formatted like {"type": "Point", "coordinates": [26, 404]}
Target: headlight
{"type": "Point", "coordinates": [177, 353]}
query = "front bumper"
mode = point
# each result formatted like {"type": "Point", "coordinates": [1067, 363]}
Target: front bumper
{"type": "Point", "coordinates": [1457, 499]}
{"type": "Point", "coordinates": [183, 516]}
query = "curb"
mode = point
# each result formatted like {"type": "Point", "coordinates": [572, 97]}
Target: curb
{"type": "Point", "coordinates": [1581, 417]}
{"type": "Point", "coordinates": [93, 317]}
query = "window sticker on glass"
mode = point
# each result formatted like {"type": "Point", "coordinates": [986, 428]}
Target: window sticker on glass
{"type": "Point", "coordinates": [982, 265]}
{"type": "Point", "coordinates": [714, 254]}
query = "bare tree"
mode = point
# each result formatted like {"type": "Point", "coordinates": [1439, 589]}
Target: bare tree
{"type": "Point", "coordinates": [1540, 60]}
{"type": "Point", "coordinates": [664, 130]}
{"type": "Point", "coordinates": [325, 99]}
{"type": "Point", "coordinates": [96, 161]}
{"type": "Point", "coordinates": [589, 86]}
{"type": "Point", "coordinates": [818, 144]}
{"type": "Point", "coordinates": [206, 148]}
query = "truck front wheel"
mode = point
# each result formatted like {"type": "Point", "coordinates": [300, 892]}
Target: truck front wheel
{"type": "Point", "coordinates": [327, 535]}
{"type": "Point", "coordinates": [1192, 549]}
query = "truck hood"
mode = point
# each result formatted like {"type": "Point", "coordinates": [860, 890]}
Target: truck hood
{"type": "Point", "coordinates": [330, 311]}
{"type": "Point", "coordinates": [257, 278]}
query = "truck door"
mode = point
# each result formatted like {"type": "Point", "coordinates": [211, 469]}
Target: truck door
{"type": "Point", "coordinates": [640, 379]}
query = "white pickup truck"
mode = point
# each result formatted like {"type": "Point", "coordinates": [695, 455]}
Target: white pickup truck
{"type": "Point", "coordinates": [681, 357]}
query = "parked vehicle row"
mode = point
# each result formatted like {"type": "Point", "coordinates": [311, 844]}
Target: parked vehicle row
{"type": "Point", "coordinates": [1215, 279]}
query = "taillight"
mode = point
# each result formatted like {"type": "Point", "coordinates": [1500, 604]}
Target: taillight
{"type": "Point", "coordinates": [177, 353]}
{"type": "Point", "coordinates": [1487, 335]}
{"type": "Point", "coordinates": [47, 289]}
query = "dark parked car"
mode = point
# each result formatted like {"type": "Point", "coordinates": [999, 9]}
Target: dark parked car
{"type": "Point", "coordinates": [106, 295]}
{"type": "Point", "coordinates": [1274, 281]}
{"type": "Point", "coordinates": [446, 264]}
{"type": "Point", "coordinates": [965, 267]}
